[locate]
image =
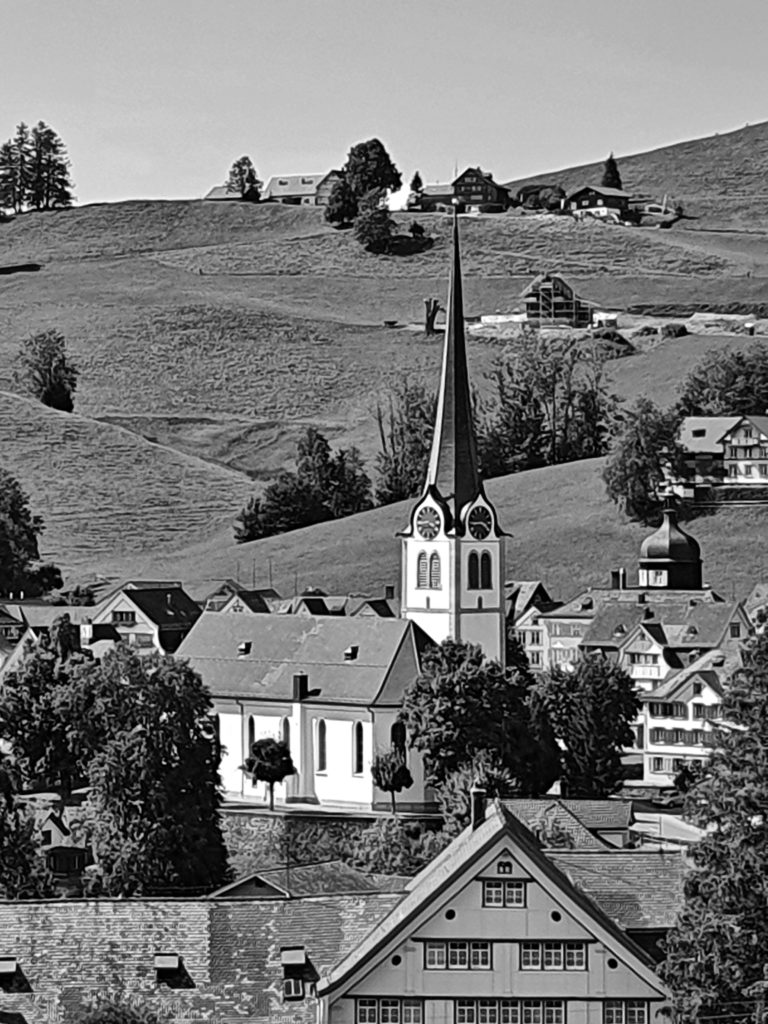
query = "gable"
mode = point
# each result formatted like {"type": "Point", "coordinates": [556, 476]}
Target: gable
{"type": "Point", "coordinates": [462, 905]}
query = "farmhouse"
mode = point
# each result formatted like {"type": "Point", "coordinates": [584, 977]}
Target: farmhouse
{"type": "Point", "coordinates": [300, 189]}
{"type": "Point", "coordinates": [476, 188]}
{"type": "Point", "coordinates": [726, 459]}
{"type": "Point", "coordinates": [549, 299]}
{"type": "Point", "coordinates": [598, 201]}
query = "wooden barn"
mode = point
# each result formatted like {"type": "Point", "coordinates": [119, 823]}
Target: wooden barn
{"type": "Point", "coordinates": [598, 201]}
{"type": "Point", "coordinates": [549, 299]}
{"type": "Point", "coordinates": [475, 187]}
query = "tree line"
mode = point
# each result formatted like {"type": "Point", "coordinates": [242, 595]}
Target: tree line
{"type": "Point", "coordinates": [34, 170]}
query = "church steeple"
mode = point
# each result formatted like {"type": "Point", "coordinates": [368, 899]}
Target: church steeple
{"type": "Point", "coordinates": [453, 469]}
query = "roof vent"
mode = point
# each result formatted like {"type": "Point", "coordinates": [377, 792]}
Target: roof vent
{"type": "Point", "coordinates": [243, 648]}
{"type": "Point", "coordinates": [691, 631]}
{"type": "Point", "coordinates": [648, 613]}
{"type": "Point", "coordinates": [620, 630]}
{"type": "Point", "coordinates": [351, 652]}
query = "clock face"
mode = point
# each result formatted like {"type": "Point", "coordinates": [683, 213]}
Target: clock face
{"type": "Point", "coordinates": [428, 522]}
{"type": "Point", "coordinates": [480, 522]}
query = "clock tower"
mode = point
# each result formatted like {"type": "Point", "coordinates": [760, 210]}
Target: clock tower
{"type": "Point", "coordinates": [452, 581]}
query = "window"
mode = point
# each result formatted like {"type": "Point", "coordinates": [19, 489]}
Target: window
{"type": "Point", "coordinates": [665, 709]}
{"type": "Point", "coordinates": [503, 894]}
{"type": "Point", "coordinates": [285, 732]}
{"type": "Point", "coordinates": [358, 748]}
{"type": "Point", "coordinates": [293, 988]}
{"type": "Point", "coordinates": [657, 578]}
{"type": "Point", "coordinates": [762, 469]}
{"type": "Point", "coordinates": [397, 736]}
{"type": "Point", "coordinates": [747, 470]}
{"type": "Point", "coordinates": [735, 629]}
{"type": "Point", "coordinates": [625, 1011]}
{"type": "Point", "coordinates": [251, 735]}
{"type": "Point", "coordinates": [389, 1011]}
{"type": "Point", "coordinates": [748, 432]}
{"type": "Point", "coordinates": [733, 470]}
{"type": "Point", "coordinates": [658, 735]}
{"type": "Point", "coordinates": [124, 618]}
{"type": "Point", "coordinates": [733, 452]}
{"type": "Point", "coordinates": [485, 571]}
{"type": "Point", "coordinates": [657, 764]}
{"type": "Point", "coordinates": [643, 659]}
{"type": "Point", "coordinates": [506, 867]}
{"type": "Point", "coordinates": [473, 572]}
{"type": "Point", "coordinates": [434, 571]}
{"type": "Point", "coordinates": [457, 956]}
{"type": "Point", "coordinates": [553, 956]}
{"type": "Point", "coordinates": [534, 657]}
{"type": "Point", "coordinates": [513, 1011]}
{"type": "Point", "coordinates": [322, 753]}
{"type": "Point", "coordinates": [422, 577]}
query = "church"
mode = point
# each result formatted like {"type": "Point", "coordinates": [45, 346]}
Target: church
{"type": "Point", "coordinates": [332, 686]}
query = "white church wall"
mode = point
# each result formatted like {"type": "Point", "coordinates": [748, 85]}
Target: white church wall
{"type": "Point", "coordinates": [230, 737]}
{"type": "Point", "coordinates": [337, 782]}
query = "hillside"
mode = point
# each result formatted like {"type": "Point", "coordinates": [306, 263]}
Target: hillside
{"type": "Point", "coordinates": [721, 179]}
{"type": "Point", "coordinates": [105, 493]}
{"type": "Point", "coordinates": [563, 529]}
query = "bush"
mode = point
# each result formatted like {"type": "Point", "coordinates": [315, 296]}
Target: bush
{"type": "Point", "coordinates": [674, 331]}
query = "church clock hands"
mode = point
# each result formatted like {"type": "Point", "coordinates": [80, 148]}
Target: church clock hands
{"type": "Point", "coordinates": [480, 522]}
{"type": "Point", "coordinates": [428, 523]}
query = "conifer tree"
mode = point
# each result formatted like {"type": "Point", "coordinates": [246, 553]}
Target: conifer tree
{"type": "Point", "coordinates": [50, 183]}
{"type": "Point", "coordinates": [611, 177]}
{"type": "Point", "coordinates": [45, 371]}
{"type": "Point", "coordinates": [416, 183]}
{"type": "Point", "coordinates": [19, 551]}
{"type": "Point", "coordinates": [718, 948]}
{"type": "Point", "coordinates": [16, 170]}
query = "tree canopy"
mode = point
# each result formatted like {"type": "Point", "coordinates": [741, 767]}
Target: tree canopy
{"type": "Point", "coordinates": [724, 383]}
{"type": "Point", "coordinates": [243, 180]}
{"type": "Point", "coordinates": [342, 205]}
{"type": "Point", "coordinates": [462, 707]}
{"type": "Point", "coordinates": [44, 370]}
{"type": "Point", "coordinates": [590, 710]}
{"type": "Point", "coordinates": [325, 486]}
{"type": "Point", "coordinates": [34, 170]}
{"type": "Point", "coordinates": [611, 177]}
{"type": "Point", "coordinates": [20, 568]}
{"type": "Point", "coordinates": [717, 950]}
{"type": "Point", "coordinates": [391, 774]}
{"type": "Point", "coordinates": [374, 225]}
{"type": "Point", "coordinates": [645, 444]}
{"type": "Point", "coordinates": [406, 426]}
{"type": "Point", "coordinates": [269, 761]}
{"type": "Point", "coordinates": [23, 874]}
{"type": "Point", "coordinates": [368, 167]}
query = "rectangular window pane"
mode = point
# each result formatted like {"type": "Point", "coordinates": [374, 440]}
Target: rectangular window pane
{"type": "Point", "coordinates": [366, 1011]}
{"type": "Point", "coordinates": [458, 955]}
{"type": "Point", "coordinates": [480, 955]}
{"type": "Point", "coordinates": [635, 1012]}
{"type": "Point", "coordinates": [487, 1012]}
{"type": "Point", "coordinates": [575, 956]}
{"type": "Point", "coordinates": [553, 956]}
{"type": "Point", "coordinates": [509, 1011]}
{"type": "Point", "coordinates": [465, 1012]}
{"type": "Point", "coordinates": [532, 1011]}
{"type": "Point", "coordinates": [514, 894]}
{"type": "Point", "coordinates": [434, 956]}
{"type": "Point", "coordinates": [493, 894]}
{"type": "Point", "coordinates": [389, 1011]}
{"type": "Point", "coordinates": [412, 1011]}
{"type": "Point", "coordinates": [554, 1011]}
{"type": "Point", "coordinates": [530, 956]}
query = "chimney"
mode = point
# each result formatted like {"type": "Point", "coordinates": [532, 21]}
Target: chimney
{"type": "Point", "coordinates": [300, 686]}
{"type": "Point", "coordinates": [477, 805]}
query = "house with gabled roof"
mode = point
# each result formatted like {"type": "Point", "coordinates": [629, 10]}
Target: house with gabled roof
{"type": "Point", "coordinates": [495, 930]}
{"type": "Point", "coordinates": [476, 188]}
{"type": "Point", "coordinates": [549, 299]}
{"type": "Point", "coordinates": [331, 686]}
{"type": "Point", "coordinates": [300, 189]}
{"type": "Point", "coordinates": [724, 455]}
{"type": "Point", "coordinates": [150, 615]}
{"type": "Point", "coordinates": [598, 201]}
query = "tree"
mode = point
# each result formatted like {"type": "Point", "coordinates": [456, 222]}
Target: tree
{"type": "Point", "coordinates": [431, 308]}
{"type": "Point", "coordinates": [342, 205]}
{"type": "Point", "coordinates": [369, 167]}
{"type": "Point", "coordinates": [243, 180]}
{"type": "Point", "coordinates": [16, 171]}
{"type": "Point", "coordinates": [454, 794]}
{"type": "Point", "coordinates": [645, 449]}
{"type": "Point", "coordinates": [20, 568]}
{"type": "Point", "coordinates": [611, 177]}
{"type": "Point", "coordinates": [325, 486]}
{"type": "Point", "coordinates": [39, 712]}
{"type": "Point", "coordinates": [726, 384]}
{"type": "Point", "coordinates": [108, 1009]}
{"type": "Point", "coordinates": [374, 226]}
{"type": "Point", "coordinates": [44, 371]}
{"type": "Point", "coordinates": [394, 846]}
{"type": "Point", "coordinates": [390, 773]}
{"type": "Point", "coordinates": [405, 434]}
{"type": "Point", "coordinates": [462, 706]}
{"type": "Point", "coordinates": [590, 710]}
{"type": "Point", "coordinates": [23, 874]}
{"type": "Point", "coordinates": [270, 762]}
{"type": "Point", "coordinates": [51, 186]}
{"type": "Point", "coordinates": [417, 184]}
{"type": "Point", "coordinates": [717, 950]}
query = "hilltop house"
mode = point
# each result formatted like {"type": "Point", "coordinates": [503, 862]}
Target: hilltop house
{"type": "Point", "coordinates": [726, 459]}
{"type": "Point", "coordinates": [505, 926]}
{"type": "Point", "coordinates": [476, 188]}
{"type": "Point", "coordinates": [598, 201]}
{"type": "Point", "coordinates": [549, 299]}
{"type": "Point", "coordinates": [300, 189]}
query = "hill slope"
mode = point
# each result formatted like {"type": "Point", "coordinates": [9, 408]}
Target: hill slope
{"type": "Point", "coordinates": [722, 178]}
{"type": "Point", "coordinates": [564, 531]}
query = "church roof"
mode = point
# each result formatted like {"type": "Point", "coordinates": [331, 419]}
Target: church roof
{"type": "Point", "coordinates": [670, 543]}
{"type": "Point", "coordinates": [453, 466]}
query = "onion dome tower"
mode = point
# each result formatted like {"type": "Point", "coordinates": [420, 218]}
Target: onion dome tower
{"type": "Point", "coordinates": [670, 559]}
{"type": "Point", "coordinates": [453, 549]}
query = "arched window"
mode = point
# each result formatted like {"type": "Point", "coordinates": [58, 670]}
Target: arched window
{"type": "Point", "coordinates": [474, 571]}
{"type": "Point", "coordinates": [322, 754]}
{"type": "Point", "coordinates": [285, 732]}
{"type": "Point", "coordinates": [421, 570]}
{"type": "Point", "coordinates": [251, 735]}
{"type": "Point", "coordinates": [397, 737]}
{"type": "Point", "coordinates": [358, 748]}
{"type": "Point", "coordinates": [485, 571]}
{"type": "Point", "coordinates": [434, 571]}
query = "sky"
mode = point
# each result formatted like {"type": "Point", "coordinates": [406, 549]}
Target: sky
{"type": "Point", "coordinates": [156, 98]}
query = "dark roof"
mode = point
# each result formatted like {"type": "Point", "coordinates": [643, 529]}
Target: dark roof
{"type": "Point", "coordinates": [600, 815]}
{"type": "Point", "coordinates": [453, 466]}
{"type": "Point", "coordinates": [635, 889]}
{"type": "Point", "coordinates": [553, 812]}
{"type": "Point", "coordinates": [670, 543]}
{"type": "Point", "coordinates": [601, 190]}
{"type": "Point", "coordinates": [167, 607]}
{"type": "Point", "coordinates": [326, 878]}
{"type": "Point", "coordinates": [279, 646]}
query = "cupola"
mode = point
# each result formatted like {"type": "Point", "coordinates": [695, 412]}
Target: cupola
{"type": "Point", "coordinates": [670, 558]}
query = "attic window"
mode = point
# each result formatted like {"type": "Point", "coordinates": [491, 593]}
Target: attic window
{"type": "Point", "coordinates": [692, 631]}
{"type": "Point", "coordinates": [244, 648]}
{"type": "Point", "coordinates": [293, 988]}
{"type": "Point", "coordinates": [697, 689]}
{"type": "Point", "coordinates": [699, 432]}
{"type": "Point", "coordinates": [506, 867]}
{"type": "Point", "coordinates": [307, 181]}
{"type": "Point", "coordinates": [620, 630]}
{"type": "Point", "coordinates": [350, 654]}
{"type": "Point", "coordinates": [282, 181]}
{"type": "Point", "coordinates": [586, 603]}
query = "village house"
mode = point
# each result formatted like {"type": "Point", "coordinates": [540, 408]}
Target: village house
{"type": "Point", "coordinates": [476, 188]}
{"type": "Point", "coordinates": [726, 457]}
{"type": "Point", "coordinates": [508, 925]}
{"type": "Point", "coordinates": [149, 615]}
{"type": "Point", "coordinates": [598, 201]}
{"type": "Point", "coordinates": [300, 189]}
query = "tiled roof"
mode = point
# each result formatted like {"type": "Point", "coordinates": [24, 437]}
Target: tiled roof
{"type": "Point", "coordinates": [713, 668]}
{"type": "Point", "coordinates": [326, 878]}
{"type": "Point", "coordinates": [635, 889]}
{"type": "Point", "coordinates": [554, 812]}
{"type": "Point", "coordinates": [601, 190]}
{"type": "Point", "coordinates": [282, 185]}
{"type": "Point", "coordinates": [279, 646]}
{"type": "Point", "coordinates": [165, 606]}
{"type": "Point", "coordinates": [704, 433]}
{"type": "Point", "coordinates": [601, 814]}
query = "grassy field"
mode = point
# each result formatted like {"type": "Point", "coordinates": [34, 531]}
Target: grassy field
{"type": "Point", "coordinates": [213, 334]}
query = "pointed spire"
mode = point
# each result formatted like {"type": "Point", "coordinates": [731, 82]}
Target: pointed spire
{"type": "Point", "coordinates": [453, 461]}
